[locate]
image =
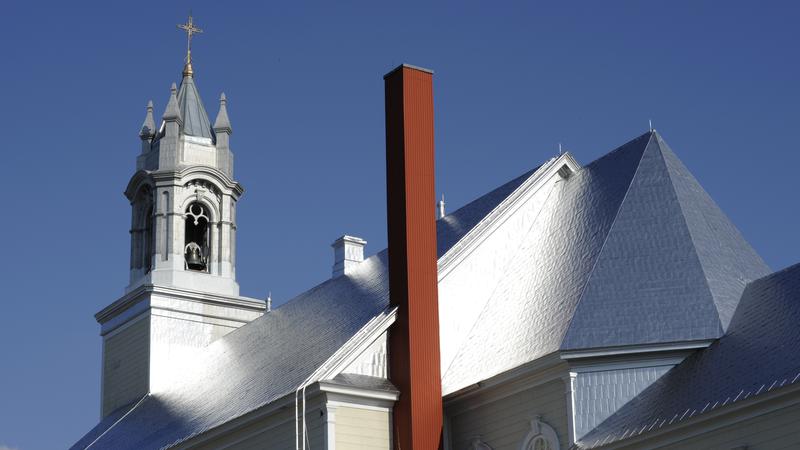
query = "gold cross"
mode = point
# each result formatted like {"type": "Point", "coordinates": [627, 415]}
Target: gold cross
{"type": "Point", "coordinates": [190, 29]}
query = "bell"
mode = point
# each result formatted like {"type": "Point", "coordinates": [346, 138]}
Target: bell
{"type": "Point", "coordinates": [194, 259]}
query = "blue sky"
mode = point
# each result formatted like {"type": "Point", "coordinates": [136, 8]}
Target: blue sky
{"type": "Point", "coordinates": [305, 91]}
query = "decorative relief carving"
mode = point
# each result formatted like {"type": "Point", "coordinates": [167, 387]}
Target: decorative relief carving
{"type": "Point", "coordinates": [202, 187]}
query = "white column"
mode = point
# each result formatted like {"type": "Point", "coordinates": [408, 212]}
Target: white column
{"type": "Point", "coordinates": [569, 385]}
{"type": "Point", "coordinates": [225, 235]}
{"type": "Point", "coordinates": [330, 427]}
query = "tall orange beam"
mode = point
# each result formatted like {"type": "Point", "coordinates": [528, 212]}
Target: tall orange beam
{"type": "Point", "coordinates": [410, 198]}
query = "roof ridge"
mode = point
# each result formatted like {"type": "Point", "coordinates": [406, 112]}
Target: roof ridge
{"type": "Point", "coordinates": [608, 233]}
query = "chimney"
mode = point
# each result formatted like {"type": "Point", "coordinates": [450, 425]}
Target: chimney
{"type": "Point", "coordinates": [414, 337]}
{"type": "Point", "coordinates": [348, 252]}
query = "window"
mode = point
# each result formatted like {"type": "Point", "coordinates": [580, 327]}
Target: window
{"type": "Point", "coordinates": [196, 246]}
{"type": "Point", "coordinates": [541, 437]}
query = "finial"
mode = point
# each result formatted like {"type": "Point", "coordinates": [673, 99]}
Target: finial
{"type": "Point", "coordinates": [222, 123]}
{"type": "Point", "coordinates": [560, 150]}
{"type": "Point", "coordinates": [440, 207]}
{"type": "Point", "coordinates": [650, 121]}
{"type": "Point", "coordinates": [190, 30]}
{"type": "Point", "coordinates": [172, 112]}
{"type": "Point", "coordinates": [149, 125]}
{"type": "Point", "coordinates": [269, 301]}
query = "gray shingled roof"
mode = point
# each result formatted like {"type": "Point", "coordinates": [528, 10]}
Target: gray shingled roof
{"type": "Point", "coordinates": [270, 357]}
{"type": "Point", "coordinates": [757, 355]}
{"type": "Point", "coordinates": [193, 113]}
{"type": "Point", "coordinates": [672, 267]}
{"type": "Point", "coordinates": [633, 223]}
{"type": "Point", "coordinates": [629, 250]}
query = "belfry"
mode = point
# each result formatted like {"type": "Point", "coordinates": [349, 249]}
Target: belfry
{"type": "Point", "coordinates": [182, 292]}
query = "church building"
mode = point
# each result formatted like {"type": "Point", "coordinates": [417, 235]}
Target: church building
{"type": "Point", "coordinates": [606, 304]}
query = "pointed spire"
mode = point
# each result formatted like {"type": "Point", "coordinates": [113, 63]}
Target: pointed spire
{"type": "Point", "coordinates": [148, 129]}
{"type": "Point", "coordinates": [173, 112]}
{"type": "Point", "coordinates": [222, 123]}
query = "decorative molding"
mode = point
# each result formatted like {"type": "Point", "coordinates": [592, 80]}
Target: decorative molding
{"type": "Point", "coordinates": [133, 297]}
{"type": "Point", "coordinates": [540, 430]}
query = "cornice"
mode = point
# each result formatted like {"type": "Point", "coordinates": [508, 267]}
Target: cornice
{"type": "Point", "coordinates": [603, 352]}
{"type": "Point", "coordinates": [136, 295]}
{"type": "Point", "coordinates": [135, 182]}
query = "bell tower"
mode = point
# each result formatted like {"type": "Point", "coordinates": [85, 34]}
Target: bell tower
{"type": "Point", "coordinates": [182, 292]}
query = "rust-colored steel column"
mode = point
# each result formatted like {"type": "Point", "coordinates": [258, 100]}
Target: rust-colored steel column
{"type": "Point", "coordinates": [410, 198]}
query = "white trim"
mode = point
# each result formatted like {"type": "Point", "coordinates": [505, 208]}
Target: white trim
{"type": "Point", "coordinates": [634, 349]}
{"type": "Point", "coordinates": [569, 383]}
{"type": "Point", "coordinates": [358, 344]}
{"type": "Point", "coordinates": [127, 324]}
{"type": "Point", "coordinates": [330, 427]}
{"type": "Point", "coordinates": [133, 297]}
{"type": "Point", "coordinates": [492, 221]}
{"type": "Point", "coordinates": [602, 366]}
{"type": "Point", "coordinates": [353, 391]}
{"type": "Point", "coordinates": [358, 405]}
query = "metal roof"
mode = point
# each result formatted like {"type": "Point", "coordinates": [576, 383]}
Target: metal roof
{"type": "Point", "coordinates": [630, 250]}
{"type": "Point", "coordinates": [272, 356]}
{"type": "Point", "coordinates": [193, 113]}
{"type": "Point", "coordinates": [627, 250]}
{"type": "Point", "coordinates": [757, 355]}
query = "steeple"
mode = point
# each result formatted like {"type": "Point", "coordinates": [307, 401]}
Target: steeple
{"type": "Point", "coordinates": [184, 195]}
{"type": "Point", "coordinates": [183, 292]}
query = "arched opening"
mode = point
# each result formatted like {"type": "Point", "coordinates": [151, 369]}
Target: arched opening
{"type": "Point", "coordinates": [196, 244]}
{"type": "Point", "coordinates": [149, 241]}
{"type": "Point", "coordinates": [142, 232]}
{"type": "Point", "coordinates": [541, 437]}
